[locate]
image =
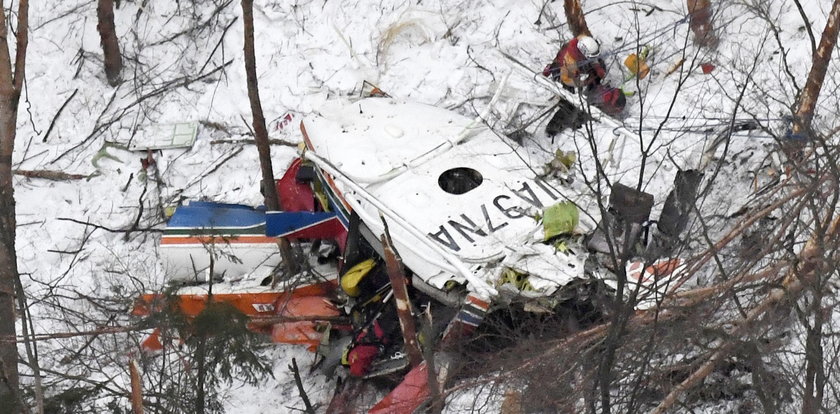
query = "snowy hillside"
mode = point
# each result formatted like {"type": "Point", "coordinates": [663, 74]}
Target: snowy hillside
{"type": "Point", "coordinates": [87, 247]}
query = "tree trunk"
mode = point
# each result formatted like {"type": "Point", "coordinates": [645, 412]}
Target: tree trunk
{"type": "Point", "coordinates": [110, 45]}
{"type": "Point", "coordinates": [808, 99]}
{"type": "Point", "coordinates": [201, 353]}
{"type": "Point", "coordinates": [11, 84]}
{"type": "Point", "coordinates": [575, 18]}
{"type": "Point", "coordinates": [700, 22]}
{"type": "Point", "coordinates": [136, 387]}
{"type": "Point", "coordinates": [260, 131]}
{"type": "Point", "coordinates": [272, 202]}
{"type": "Point", "coordinates": [9, 386]}
{"type": "Point", "coordinates": [814, 357]}
{"type": "Point", "coordinates": [405, 313]}
{"type": "Point", "coordinates": [30, 345]}
{"type": "Point", "coordinates": [201, 373]}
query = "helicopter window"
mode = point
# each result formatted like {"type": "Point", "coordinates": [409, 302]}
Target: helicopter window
{"type": "Point", "coordinates": [459, 180]}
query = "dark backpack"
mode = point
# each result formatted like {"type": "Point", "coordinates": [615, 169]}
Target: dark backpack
{"type": "Point", "coordinates": [567, 116]}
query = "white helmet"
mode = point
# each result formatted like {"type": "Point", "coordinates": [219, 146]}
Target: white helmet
{"type": "Point", "coordinates": [588, 46]}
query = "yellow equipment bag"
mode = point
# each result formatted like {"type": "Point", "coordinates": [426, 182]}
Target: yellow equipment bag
{"type": "Point", "coordinates": [561, 218]}
{"type": "Point", "coordinates": [351, 280]}
{"type": "Point", "coordinates": [637, 64]}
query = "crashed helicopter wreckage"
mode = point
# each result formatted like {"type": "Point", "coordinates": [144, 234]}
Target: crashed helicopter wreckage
{"type": "Point", "coordinates": [475, 225]}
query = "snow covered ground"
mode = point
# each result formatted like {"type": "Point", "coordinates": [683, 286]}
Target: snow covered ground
{"type": "Point", "coordinates": [444, 53]}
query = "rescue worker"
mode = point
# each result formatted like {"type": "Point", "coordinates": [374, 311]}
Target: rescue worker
{"type": "Point", "coordinates": [367, 346]}
{"type": "Point", "coordinates": [577, 64]}
{"type": "Point", "coordinates": [373, 316]}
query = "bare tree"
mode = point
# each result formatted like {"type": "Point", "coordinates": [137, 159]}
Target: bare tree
{"type": "Point", "coordinates": [110, 44]}
{"type": "Point", "coordinates": [576, 18]}
{"type": "Point", "coordinates": [700, 22]}
{"type": "Point", "coordinates": [260, 131]}
{"type": "Point", "coordinates": [808, 99]}
{"type": "Point", "coordinates": [11, 85]}
{"type": "Point", "coordinates": [272, 201]}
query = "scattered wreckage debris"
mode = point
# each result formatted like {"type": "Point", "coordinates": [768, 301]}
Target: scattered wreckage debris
{"type": "Point", "coordinates": [166, 136]}
{"type": "Point", "coordinates": [637, 64]}
{"type": "Point", "coordinates": [277, 126]}
{"type": "Point", "coordinates": [381, 182]}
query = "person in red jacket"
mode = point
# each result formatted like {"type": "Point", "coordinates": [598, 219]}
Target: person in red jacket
{"type": "Point", "coordinates": [368, 345]}
{"type": "Point", "coordinates": [577, 64]}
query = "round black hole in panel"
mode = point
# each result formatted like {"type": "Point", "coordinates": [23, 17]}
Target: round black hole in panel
{"type": "Point", "coordinates": [459, 180]}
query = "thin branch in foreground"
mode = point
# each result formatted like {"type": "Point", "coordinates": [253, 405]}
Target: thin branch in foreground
{"type": "Point", "coordinates": [99, 226]}
{"type": "Point", "coordinates": [791, 287]}
{"type": "Point", "coordinates": [254, 142]}
{"type": "Point", "coordinates": [299, 383]}
{"type": "Point", "coordinates": [51, 175]}
{"type": "Point", "coordinates": [57, 114]}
